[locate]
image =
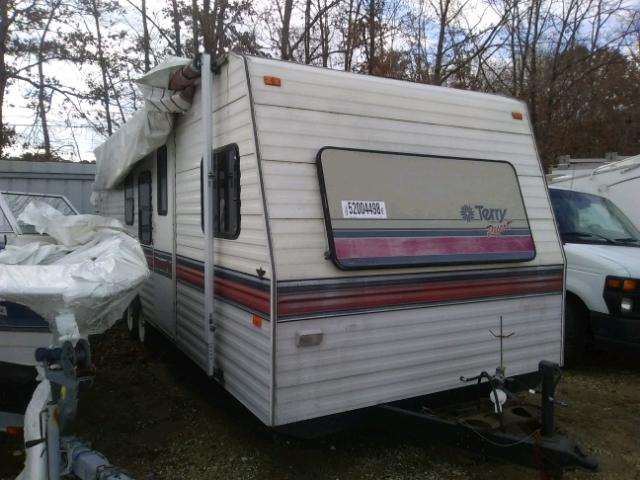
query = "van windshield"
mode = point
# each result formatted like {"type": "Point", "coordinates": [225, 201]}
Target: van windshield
{"type": "Point", "coordinates": [587, 218]}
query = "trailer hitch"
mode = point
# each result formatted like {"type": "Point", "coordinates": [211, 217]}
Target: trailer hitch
{"type": "Point", "coordinates": [516, 432]}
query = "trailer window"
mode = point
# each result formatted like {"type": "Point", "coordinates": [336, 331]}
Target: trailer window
{"type": "Point", "coordinates": [128, 200]}
{"type": "Point", "coordinates": [397, 210]}
{"type": "Point", "coordinates": [163, 194]}
{"type": "Point", "coordinates": [145, 210]}
{"type": "Point", "coordinates": [227, 164]}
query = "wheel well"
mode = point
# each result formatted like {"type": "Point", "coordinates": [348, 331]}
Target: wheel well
{"type": "Point", "coordinates": [136, 305]}
{"type": "Point", "coordinates": [577, 301]}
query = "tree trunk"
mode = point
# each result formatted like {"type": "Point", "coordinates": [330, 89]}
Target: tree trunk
{"type": "Point", "coordinates": [195, 14]}
{"type": "Point", "coordinates": [443, 17]}
{"type": "Point", "coordinates": [207, 25]}
{"type": "Point", "coordinates": [285, 54]}
{"type": "Point", "coordinates": [4, 33]}
{"type": "Point", "coordinates": [372, 36]}
{"type": "Point", "coordinates": [307, 33]}
{"type": "Point", "coordinates": [176, 27]}
{"type": "Point", "coordinates": [220, 12]}
{"type": "Point", "coordinates": [145, 37]}
{"type": "Point", "coordinates": [103, 66]}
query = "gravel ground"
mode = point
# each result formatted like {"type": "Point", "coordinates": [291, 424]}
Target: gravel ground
{"type": "Point", "coordinates": [155, 414]}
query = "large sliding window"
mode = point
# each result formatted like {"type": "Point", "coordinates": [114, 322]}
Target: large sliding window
{"type": "Point", "coordinates": [128, 200]}
{"type": "Point", "coordinates": [227, 164]}
{"type": "Point", "coordinates": [145, 208]}
{"type": "Point", "coordinates": [386, 209]}
{"type": "Point", "coordinates": [162, 182]}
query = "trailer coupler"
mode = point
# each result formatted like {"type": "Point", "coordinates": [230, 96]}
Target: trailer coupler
{"type": "Point", "coordinates": [522, 433]}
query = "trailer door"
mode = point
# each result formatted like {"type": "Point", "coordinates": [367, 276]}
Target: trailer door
{"type": "Point", "coordinates": [163, 241]}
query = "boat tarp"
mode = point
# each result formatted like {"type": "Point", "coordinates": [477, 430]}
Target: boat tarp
{"type": "Point", "coordinates": [82, 283]}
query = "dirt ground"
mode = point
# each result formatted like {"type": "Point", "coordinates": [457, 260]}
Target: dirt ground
{"type": "Point", "coordinates": [152, 412]}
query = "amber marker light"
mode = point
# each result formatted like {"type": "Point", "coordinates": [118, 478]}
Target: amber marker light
{"type": "Point", "coordinates": [614, 282]}
{"type": "Point", "coordinates": [628, 284]}
{"type": "Point", "coordinates": [272, 81]}
{"type": "Point", "coordinates": [257, 321]}
{"type": "Point", "coordinates": [14, 431]}
{"type": "Point", "coordinates": [517, 115]}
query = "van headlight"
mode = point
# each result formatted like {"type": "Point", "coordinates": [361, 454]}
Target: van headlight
{"type": "Point", "coordinates": [622, 296]}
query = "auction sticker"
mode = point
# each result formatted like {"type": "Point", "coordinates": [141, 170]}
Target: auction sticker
{"type": "Point", "coordinates": [363, 209]}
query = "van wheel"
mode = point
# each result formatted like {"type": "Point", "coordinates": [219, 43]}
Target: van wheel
{"type": "Point", "coordinates": [131, 318]}
{"type": "Point", "coordinates": [575, 332]}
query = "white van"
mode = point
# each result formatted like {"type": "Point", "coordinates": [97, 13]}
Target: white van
{"type": "Point", "coordinates": [602, 248]}
{"type": "Point", "coordinates": [618, 181]}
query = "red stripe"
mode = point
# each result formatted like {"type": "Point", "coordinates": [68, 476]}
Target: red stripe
{"type": "Point", "coordinates": [355, 298]}
{"type": "Point", "coordinates": [373, 247]}
{"type": "Point", "coordinates": [454, 290]}
{"type": "Point", "coordinates": [250, 297]}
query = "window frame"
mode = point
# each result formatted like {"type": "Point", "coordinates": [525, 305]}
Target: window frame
{"type": "Point", "coordinates": [142, 178]}
{"type": "Point", "coordinates": [162, 181]}
{"type": "Point", "coordinates": [218, 155]}
{"type": "Point", "coordinates": [330, 232]}
{"type": "Point", "coordinates": [129, 200]}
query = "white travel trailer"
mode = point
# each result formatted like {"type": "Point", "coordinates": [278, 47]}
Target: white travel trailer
{"type": "Point", "coordinates": [617, 181]}
{"type": "Point", "coordinates": [370, 234]}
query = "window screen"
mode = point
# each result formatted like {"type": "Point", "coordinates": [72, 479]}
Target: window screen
{"type": "Point", "coordinates": [391, 210]}
{"type": "Point", "coordinates": [145, 210]}
{"type": "Point", "coordinates": [161, 166]}
{"type": "Point", "coordinates": [227, 163]}
{"type": "Point", "coordinates": [128, 200]}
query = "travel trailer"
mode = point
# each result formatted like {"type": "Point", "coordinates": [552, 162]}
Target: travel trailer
{"type": "Point", "coordinates": [368, 237]}
{"type": "Point", "coordinates": [618, 181]}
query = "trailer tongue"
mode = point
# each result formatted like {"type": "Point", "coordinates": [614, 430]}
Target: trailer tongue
{"type": "Point", "coordinates": [521, 432]}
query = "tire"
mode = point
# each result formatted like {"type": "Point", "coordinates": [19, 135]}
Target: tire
{"type": "Point", "coordinates": [131, 320]}
{"type": "Point", "coordinates": [142, 330]}
{"type": "Point", "coordinates": [575, 332]}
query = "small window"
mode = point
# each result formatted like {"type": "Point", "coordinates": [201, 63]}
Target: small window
{"type": "Point", "coordinates": [128, 200]}
{"type": "Point", "coordinates": [145, 209]}
{"type": "Point", "coordinates": [227, 163]}
{"type": "Point", "coordinates": [161, 165]}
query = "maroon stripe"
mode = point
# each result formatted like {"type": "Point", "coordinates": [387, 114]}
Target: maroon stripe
{"type": "Point", "coordinates": [250, 297]}
{"type": "Point", "coordinates": [372, 247]}
{"type": "Point", "coordinates": [419, 293]}
{"type": "Point", "coordinates": [345, 298]}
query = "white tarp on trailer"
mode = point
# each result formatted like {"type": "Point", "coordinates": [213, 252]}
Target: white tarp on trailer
{"type": "Point", "coordinates": [146, 130]}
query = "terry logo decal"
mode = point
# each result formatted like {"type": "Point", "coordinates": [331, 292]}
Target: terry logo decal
{"type": "Point", "coordinates": [468, 213]}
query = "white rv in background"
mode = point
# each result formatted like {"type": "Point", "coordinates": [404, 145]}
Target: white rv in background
{"type": "Point", "coordinates": [366, 235]}
{"type": "Point", "coordinates": [618, 181]}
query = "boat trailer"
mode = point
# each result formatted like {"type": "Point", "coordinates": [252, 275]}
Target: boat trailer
{"type": "Point", "coordinates": [521, 433]}
{"type": "Point", "coordinates": [58, 452]}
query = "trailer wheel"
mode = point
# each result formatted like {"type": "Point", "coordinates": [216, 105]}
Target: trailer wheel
{"type": "Point", "coordinates": [576, 331]}
{"type": "Point", "coordinates": [131, 317]}
{"type": "Point", "coordinates": [142, 329]}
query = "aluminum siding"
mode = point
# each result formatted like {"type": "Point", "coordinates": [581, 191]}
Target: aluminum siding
{"type": "Point", "coordinates": [242, 350]}
{"type": "Point", "coordinates": [369, 358]}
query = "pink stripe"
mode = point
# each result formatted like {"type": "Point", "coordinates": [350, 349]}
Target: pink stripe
{"type": "Point", "coordinates": [419, 246]}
